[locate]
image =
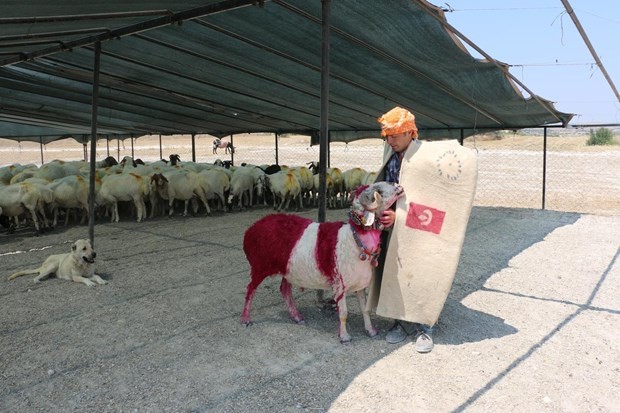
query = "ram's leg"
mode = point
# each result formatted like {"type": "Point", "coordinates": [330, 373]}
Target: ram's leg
{"type": "Point", "coordinates": [246, 319]}
{"type": "Point", "coordinates": [343, 334]}
{"type": "Point", "coordinates": [370, 329]}
{"type": "Point", "coordinates": [287, 294]}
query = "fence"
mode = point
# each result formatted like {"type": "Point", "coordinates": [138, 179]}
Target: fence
{"type": "Point", "coordinates": [513, 171]}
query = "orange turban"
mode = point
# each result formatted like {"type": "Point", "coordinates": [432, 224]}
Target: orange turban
{"type": "Point", "coordinates": [398, 120]}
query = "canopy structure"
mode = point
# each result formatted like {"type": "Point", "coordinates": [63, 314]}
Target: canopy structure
{"type": "Point", "coordinates": [240, 66]}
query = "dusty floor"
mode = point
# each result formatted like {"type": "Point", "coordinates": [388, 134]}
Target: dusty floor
{"type": "Point", "coordinates": [531, 324]}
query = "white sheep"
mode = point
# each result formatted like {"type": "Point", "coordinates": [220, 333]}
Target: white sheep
{"type": "Point", "coordinates": [124, 187]}
{"type": "Point", "coordinates": [339, 190]}
{"type": "Point", "coordinates": [180, 185]}
{"type": "Point", "coordinates": [71, 192]}
{"type": "Point", "coordinates": [369, 178]}
{"type": "Point", "coordinates": [20, 198]}
{"type": "Point", "coordinates": [329, 190]}
{"type": "Point", "coordinates": [217, 183]}
{"type": "Point", "coordinates": [286, 187]}
{"type": "Point", "coordinates": [352, 180]}
{"type": "Point", "coordinates": [306, 181]}
{"type": "Point", "coordinates": [328, 256]}
{"type": "Point", "coordinates": [242, 186]}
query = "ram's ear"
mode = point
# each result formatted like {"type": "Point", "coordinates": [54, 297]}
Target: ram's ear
{"type": "Point", "coordinates": [369, 218]}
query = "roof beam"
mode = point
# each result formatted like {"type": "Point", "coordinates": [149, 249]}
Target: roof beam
{"type": "Point", "coordinates": [444, 88]}
{"type": "Point", "coordinates": [82, 17]}
{"type": "Point", "coordinates": [585, 38]}
{"type": "Point", "coordinates": [222, 6]}
{"type": "Point", "coordinates": [433, 13]}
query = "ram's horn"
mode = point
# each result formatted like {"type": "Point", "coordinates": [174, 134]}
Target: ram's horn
{"type": "Point", "coordinates": [376, 202]}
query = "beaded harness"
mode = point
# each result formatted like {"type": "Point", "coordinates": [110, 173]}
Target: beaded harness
{"type": "Point", "coordinates": [366, 253]}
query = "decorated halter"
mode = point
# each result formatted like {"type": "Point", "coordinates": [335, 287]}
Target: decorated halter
{"type": "Point", "coordinates": [361, 221]}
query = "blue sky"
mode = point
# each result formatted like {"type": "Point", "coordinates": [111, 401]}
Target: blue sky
{"type": "Point", "coordinates": [548, 55]}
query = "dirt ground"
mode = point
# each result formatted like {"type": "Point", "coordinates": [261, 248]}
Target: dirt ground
{"type": "Point", "coordinates": [531, 324]}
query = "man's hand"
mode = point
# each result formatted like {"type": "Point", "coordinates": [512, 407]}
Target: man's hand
{"type": "Point", "coordinates": [387, 218]}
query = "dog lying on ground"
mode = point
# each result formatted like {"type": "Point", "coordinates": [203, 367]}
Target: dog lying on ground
{"type": "Point", "coordinates": [78, 266]}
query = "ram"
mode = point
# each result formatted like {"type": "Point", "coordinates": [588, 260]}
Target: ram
{"type": "Point", "coordinates": [334, 256]}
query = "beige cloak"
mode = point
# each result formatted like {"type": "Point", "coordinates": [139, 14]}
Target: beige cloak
{"type": "Point", "coordinates": [425, 243]}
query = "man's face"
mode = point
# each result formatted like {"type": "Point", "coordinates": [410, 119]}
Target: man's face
{"type": "Point", "coordinates": [400, 141]}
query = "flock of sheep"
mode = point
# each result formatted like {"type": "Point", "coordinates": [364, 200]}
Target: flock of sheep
{"type": "Point", "coordinates": [29, 192]}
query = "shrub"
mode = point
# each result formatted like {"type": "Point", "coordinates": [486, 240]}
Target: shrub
{"type": "Point", "coordinates": [602, 136]}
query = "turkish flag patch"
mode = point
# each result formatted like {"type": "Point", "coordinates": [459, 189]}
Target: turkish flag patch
{"type": "Point", "coordinates": [425, 218]}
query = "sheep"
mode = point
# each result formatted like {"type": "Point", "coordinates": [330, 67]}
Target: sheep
{"type": "Point", "coordinates": [271, 169]}
{"type": "Point", "coordinates": [369, 178]}
{"type": "Point", "coordinates": [352, 179]}
{"type": "Point", "coordinates": [71, 192]}
{"type": "Point", "coordinates": [306, 181]}
{"type": "Point", "coordinates": [8, 172]}
{"type": "Point", "coordinates": [218, 184]}
{"type": "Point", "coordinates": [180, 185]}
{"type": "Point", "coordinates": [124, 187]}
{"type": "Point", "coordinates": [127, 162]}
{"type": "Point", "coordinates": [174, 159]}
{"type": "Point", "coordinates": [242, 185]}
{"type": "Point", "coordinates": [329, 190]}
{"type": "Point", "coordinates": [22, 176]}
{"type": "Point", "coordinates": [334, 256]}
{"type": "Point", "coordinates": [20, 198]}
{"type": "Point", "coordinates": [286, 186]}
{"type": "Point", "coordinates": [109, 161]}
{"type": "Point", "coordinates": [339, 189]}
{"type": "Point", "coordinates": [57, 169]}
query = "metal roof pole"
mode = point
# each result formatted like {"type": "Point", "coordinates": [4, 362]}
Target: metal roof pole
{"type": "Point", "coordinates": [232, 150]}
{"type": "Point", "coordinates": [107, 145]}
{"type": "Point", "coordinates": [160, 155]}
{"type": "Point", "coordinates": [544, 177]}
{"type": "Point", "coordinates": [462, 138]}
{"type": "Point", "coordinates": [276, 138]}
{"type": "Point", "coordinates": [132, 156]}
{"type": "Point", "coordinates": [93, 146]}
{"type": "Point", "coordinates": [41, 146]}
{"type": "Point", "coordinates": [118, 149]}
{"type": "Point", "coordinates": [323, 138]}
{"type": "Point", "coordinates": [193, 147]}
{"type": "Point", "coordinates": [584, 36]}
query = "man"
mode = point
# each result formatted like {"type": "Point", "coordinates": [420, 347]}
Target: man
{"type": "Point", "coordinates": [400, 133]}
{"type": "Point", "coordinates": [425, 231]}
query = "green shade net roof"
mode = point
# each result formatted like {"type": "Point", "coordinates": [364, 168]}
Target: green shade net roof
{"type": "Point", "coordinates": [228, 67]}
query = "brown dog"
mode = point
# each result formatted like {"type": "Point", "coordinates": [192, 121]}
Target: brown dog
{"type": "Point", "coordinates": [78, 266]}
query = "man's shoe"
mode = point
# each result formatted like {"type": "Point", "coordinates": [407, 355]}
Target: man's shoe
{"type": "Point", "coordinates": [396, 334]}
{"type": "Point", "coordinates": [399, 331]}
{"type": "Point", "coordinates": [424, 342]}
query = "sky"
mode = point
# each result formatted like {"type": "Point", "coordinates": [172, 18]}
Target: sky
{"type": "Point", "coordinates": [546, 52]}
